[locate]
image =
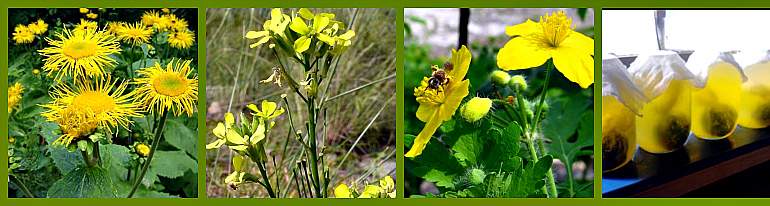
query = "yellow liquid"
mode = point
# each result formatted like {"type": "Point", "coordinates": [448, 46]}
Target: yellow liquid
{"type": "Point", "coordinates": [665, 122]}
{"type": "Point", "coordinates": [754, 111]}
{"type": "Point", "coordinates": [618, 137]}
{"type": "Point", "coordinates": [715, 107]}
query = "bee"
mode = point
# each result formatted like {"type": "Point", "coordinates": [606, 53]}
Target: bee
{"type": "Point", "coordinates": [439, 77]}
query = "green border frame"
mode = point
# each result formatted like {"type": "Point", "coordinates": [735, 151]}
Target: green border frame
{"type": "Point", "coordinates": [398, 5]}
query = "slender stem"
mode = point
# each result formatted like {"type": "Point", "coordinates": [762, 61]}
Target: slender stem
{"type": "Point", "coordinates": [549, 176]}
{"type": "Point", "coordinates": [533, 152]}
{"type": "Point", "coordinates": [265, 179]}
{"type": "Point", "coordinates": [313, 147]}
{"type": "Point", "coordinates": [155, 143]}
{"type": "Point", "coordinates": [536, 124]}
{"type": "Point", "coordinates": [22, 186]}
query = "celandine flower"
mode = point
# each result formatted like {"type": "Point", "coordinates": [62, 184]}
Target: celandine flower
{"type": "Point", "coordinates": [181, 39]}
{"type": "Point", "coordinates": [14, 96]}
{"type": "Point", "coordinates": [439, 104]}
{"type": "Point", "coordinates": [80, 110]}
{"type": "Point", "coordinates": [23, 35]}
{"type": "Point", "coordinates": [80, 54]}
{"type": "Point", "coordinates": [170, 89]}
{"type": "Point", "coordinates": [533, 43]}
{"type": "Point", "coordinates": [135, 34]}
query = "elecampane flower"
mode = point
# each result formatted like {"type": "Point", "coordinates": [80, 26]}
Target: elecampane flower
{"type": "Point", "coordinates": [86, 25]}
{"type": "Point", "coordinates": [438, 105]}
{"type": "Point", "coordinates": [38, 27]}
{"type": "Point", "coordinates": [182, 39]}
{"type": "Point", "coordinates": [533, 43]}
{"type": "Point", "coordinates": [23, 35]}
{"type": "Point", "coordinates": [136, 33]}
{"type": "Point", "coordinates": [173, 89]}
{"type": "Point", "coordinates": [80, 54]}
{"type": "Point", "coordinates": [14, 96]}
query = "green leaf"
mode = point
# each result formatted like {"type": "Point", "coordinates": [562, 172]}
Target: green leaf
{"type": "Point", "coordinates": [180, 136]}
{"type": "Point", "coordinates": [504, 148]}
{"type": "Point", "coordinates": [172, 164]}
{"type": "Point", "coordinates": [561, 125]}
{"type": "Point", "coordinates": [468, 148]}
{"type": "Point", "coordinates": [65, 160]}
{"type": "Point", "coordinates": [123, 188]}
{"type": "Point", "coordinates": [137, 65]}
{"type": "Point", "coordinates": [436, 164]}
{"type": "Point", "coordinates": [84, 182]}
{"type": "Point", "coordinates": [116, 159]}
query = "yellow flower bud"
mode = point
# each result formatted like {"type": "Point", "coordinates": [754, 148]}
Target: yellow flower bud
{"type": "Point", "coordinates": [84, 10]}
{"type": "Point", "coordinates": [142, 149]}
{"type": "Point", "coordinates": [35, 71]}
{"type": "Point", "coordinates": [475, 109]}
{"type": "Point", "coordinates": [518, 81]}
{"type": "Point", "coordinates": [500, 77]}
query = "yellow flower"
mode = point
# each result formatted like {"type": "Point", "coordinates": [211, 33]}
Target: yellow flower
{"type": "Point", "coordinates": [84, 10]}
{"type": "Point", "coordinates": [150, 18]}
{"type": "Point", "coordinates": [181, 39]}
{"type": "Point", "coordinates": [38, 27]}
{"type": "Point", "coordinates": [438, 105]}
{"type": "Point", "coordinates": [221, 130]}
{"type": "Point", "coordinates": [269, 110]}
{"type": "Point", "coordinates": [389, 186]}
{"type": "Point", "coordinates": [80, 54]}
{"type": "Point", "coordinates": [165, 10]}
{"type": "Point", "coordinates": [14, 96]}
{"type": "Point", "coordinates": [142, 149]}
{"type": "Point", "coordinates": [135, 34]}
{"type": "Point", "coordinates": [343, 191]}
{"type": "Point", "coordinates": [273, 28]}
{"type": "Point", "coordinates": [80, 110]}
{"type": "Point", "coordinates": [518, 81]}
{"type": "Point", "coordinates": [116, 27]}
{"type": "Point", "coordinates": [235, 179]}
{"type": "Point", "coordinates": [550, 38]}
{"type": "Point", "coordinates": [306, 32]}
{"type": "Point", "coordinates": [92, 15]}
{"type": "Point", "coordinates": [23, 35]}
{"type": "Point", "coordinates": [168, 89]}
{"type": "Point", "coordinates": [176, 23]}
{"type": "Point", "coordinates": [164, 22]}
{"type": "Point", "coordinates": [385, 189]}
{"type": "Point", "coordinates": [86, 25]}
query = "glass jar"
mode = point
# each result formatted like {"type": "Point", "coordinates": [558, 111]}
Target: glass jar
{"type": "Point", "coordinates": [754, 110]}
{"type": "Point", "coordinates": [715, 106]}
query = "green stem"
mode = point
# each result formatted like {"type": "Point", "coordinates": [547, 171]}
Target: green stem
{"type": "Point", "coordinates": [22, 186]}
{"type": "Point", "coordinates": [155, 143]}
{"type": "Point", "coordinates": [536, 124]}
{"type": "Point", "coordinates": [89, 161]}
{"type": "Point", "coordinates": [313, 147]}
{"type": "Point", "coordinates": [265, 179]}
{"type": "Point", "coordinates": [533, 152]}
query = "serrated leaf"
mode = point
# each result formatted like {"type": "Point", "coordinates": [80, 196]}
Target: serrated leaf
{"type": "Point", "coordinates": [115, 159]}
{"type": "Point", "coordinates": [180, 136]}
{"type": "Point", "coordinates": [65, 160]}
{"type": "Point", "coordinates": [172, 164]}
{"type": "Point", "coordinates": [84, 182]}
{"type": "Point", "coordinates": [504, 148]}
{"type": "Point", "coordinates": [561, 125]}
{"type": "Point", "coordinates": [468, 148]}
{"type": "Point", "coordinates": [436, 164]}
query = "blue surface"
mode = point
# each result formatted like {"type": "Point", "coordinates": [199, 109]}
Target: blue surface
{"type": "Point", "coordinates": [608, 185]}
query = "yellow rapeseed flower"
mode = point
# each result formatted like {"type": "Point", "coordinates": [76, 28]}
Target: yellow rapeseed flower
{"type": "Point", "coordinates": [170, 89]}
{"type": "Point", "coordinates": [269, 110]}
{"type": "Point", "coordinates": [438, 105]}
{"type": "Point", "coordinates": [23, 35]}
{"type": "Point", "coordinates": [80, 54]}
{"type": "Point", "coordinates": [307, 33]}
{"type": "Point", "coordinates": [235, 179]}
{"type": "Point", "coordinates": [533, 43]}
{"type": "Point", "coordinates": [38, 27]}
{"type": "Point", "coordinates": [181, 39]}
{"type": "Point", "coordinates": [273, 28]}
{"type": "Point", "coordinates": [90, 104]}
{"type": "Point", "coordinates": [86, 25]}
{"type": "Point", "coordinates": [14, 96]}
{"type": "Point", "coordinates": [136, 33]}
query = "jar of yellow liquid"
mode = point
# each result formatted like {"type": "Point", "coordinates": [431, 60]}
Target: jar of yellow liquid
{"type": "Point", "coordinates": [715, 104]}
{"type": "Point", "coordinates": [664, 124]}
{"type": "Point", "coordinates": [621, 102]}
{"type": "Point", "coordinates": [754, 110]}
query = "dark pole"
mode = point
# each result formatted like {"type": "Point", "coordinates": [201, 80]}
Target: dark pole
{"type": "Point", "coordinates": [465, 14]}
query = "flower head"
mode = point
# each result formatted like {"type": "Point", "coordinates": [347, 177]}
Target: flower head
{"type": "Point", "coordinates": [533, 43]}
{"type": "Point", "coordinates": [439, 104]}
{"type": "Point", "coordinates": [500, 77]}
{"type": "Point", "coordinates": [92, 15]}
{"type": "Point", "coordinates": [181, 39]}
{"type": "Point", "coordinates": [23, 35]}
{"type": "Point", "coordinates": [135, 34]}
{"type": "Point", "coordinates": [269, 110]}
{"type": "Point", "coordinates": [235, 179]}
{"type": "Point", "coordinates": [150, 18]}
{"type": "Point", "coordinates": [273, 28]}
{"type": "Point", "coordinates": [142, 149]}
{"type": "Point", "coordinates": [90, 104]}
{"type": "Point", "coordinates": [518, 82]}
{"type": "Point", "coordinates": [475, 109]}
{"type": "Point", "coordinates": [80, 54]}
{"type": "Point", "coordinates": [84, 10]}
{"type": "Point", "coordinates": [14, 96]}
{"type": "Point", "coordinates": [165, 10]}
{"type": "Point", "coordinates": [385, 189]}
{"type": "Point", "coordinates": [38, 27]}
{"type": "Point", "coordinates": [86, 25]}
{"type": "Point", "coordinates": [306, 32]}
{"type": "Point", "coordinates": [170, 89]}
{"type": "Point", "coordinates": [115, 27]}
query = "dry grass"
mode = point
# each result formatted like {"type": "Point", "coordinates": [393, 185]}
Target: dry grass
{"type": "Point", "coordinates": [233, 70]}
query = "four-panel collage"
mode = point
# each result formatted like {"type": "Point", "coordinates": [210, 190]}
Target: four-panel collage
{"type": "Point", "coordinates": [499, 103]}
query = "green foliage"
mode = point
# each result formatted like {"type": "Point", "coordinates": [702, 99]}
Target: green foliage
{"type": "Point", "coordinates": [84, 182]}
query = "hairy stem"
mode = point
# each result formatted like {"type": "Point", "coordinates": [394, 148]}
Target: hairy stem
{"type": "Point", "coordinates": [155, 143]}
{"type": "Point", "coordinates": [536, 125]}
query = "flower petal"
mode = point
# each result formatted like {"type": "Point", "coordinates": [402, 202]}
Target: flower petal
{"type": "Point", "coordinates": [342, 191]}
{"type": "Point", "coordinates": [424, 112]}
{"type": "Point", "coordinates": [461, 60]}
{"type": "Point", "coordinates": [229, 119]}
{"type": "Point", "coordinates": [522, 29]}
{"type": "Point", "coordinates": [220, 131]}
{"type": "Point", "coordinates": [522, 53]}
{"type": "Point", "coordinates": [234, 138]}
{"type": "Point", "coordinates": [579, 41]}
{"type": "Point", "coordinates": [348, 35]}
{"type": "Point", "coordinates": [276, 14]}
{"type": "Point", "coordinates": [326, 39]}
{"type": "Point", "coordinates": [575, 64]}
{"type": "Point", "coordinates": [454, 98]}
{"type": "Point", "coordinates": [302, 44]}
{"type": "Point", "coordinates": [255, 34]}
{"type": "Point", "coordinates": [215, 144]}
{"type": "Point", "coordinates": [306, 13]}
{"type": "Point", "coordinates": [427, 132]}
{"type": "Point", "coordinates": [319, 23]}
{"type": "Point", "coordinates": [298, 25]}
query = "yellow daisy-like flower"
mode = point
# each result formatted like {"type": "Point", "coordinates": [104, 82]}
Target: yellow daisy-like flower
{"type": "Point", "coordinates": [23, 35]}
{"type": "Point", "coordinates": [92, 15]}
{"type": "Point", "coordinates": [84, 10]}
{"type": "Point", "coordinates": [135, 34]}
{"type": "Point", "coordinates": [165, 10]}
{"type": "Point", "coordinates": [86, 25]}
{"type": "Point", "coordinates": [181, 39]}
{"type": "Point", "coordinates": [164, 22]}
{"type": "Point", "coordinates": [176, 23]}
{"type": "Point", "coordinates": [273, 28]}
{"type": "Point", "coordinates": [14, 96]}
{"type": "Point", "coordinates": [533, 43]}
{"type": "Point", "coordinates": [168, 89]}
{"type": "Point", "coordinates": [115, 27]}
{"type": "Point", "coordinates": [38, 27]}
{"type": "Point", "coordinates": [80, 54]}
{"type": "Point", "coordinates": [90, 104]}
{"type": "Point", "coordinates": [150, 18]}
{"type": "Point", "coordinates": [438, 105]}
